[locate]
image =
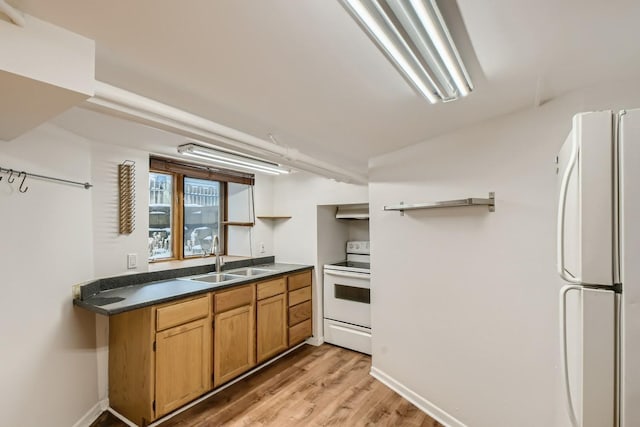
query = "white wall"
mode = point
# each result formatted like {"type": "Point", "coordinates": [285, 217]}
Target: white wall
{"type": "Point", "coordinates": [298, 195]}
{"type": "Point", "coordinates": [48, 367]}
{"type": "Point", "coordinates": [296, 239]}
{"type": "Point", "coordinates": [332, 235]}
{"type": "Point", "coordinates": [62, 235]}
{"type": "Point", "coordinates": [464, 302]}
{"type": "Point", "coordinates": [239, 210]}
{"type": "Point", "coordinates": [111, 248]}
{"type": "Point", "coordinates": [358, 229]}
{"type": "Point", "coordinates": [262, 232]}
{"type": "Point", "coordinates": [246, 241]}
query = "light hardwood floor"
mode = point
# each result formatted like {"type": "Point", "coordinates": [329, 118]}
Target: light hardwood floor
{"type": "Point", "coordinates": [313, 386]}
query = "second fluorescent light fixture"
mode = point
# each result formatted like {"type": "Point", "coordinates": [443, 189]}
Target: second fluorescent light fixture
{"type": "Point", "coordinates": [415, 38]}
{"type": "Point", "coordinates": [230, 160]}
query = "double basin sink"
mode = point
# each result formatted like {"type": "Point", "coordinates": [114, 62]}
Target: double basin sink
{"type": "Point", "coordinates": [240, 273]}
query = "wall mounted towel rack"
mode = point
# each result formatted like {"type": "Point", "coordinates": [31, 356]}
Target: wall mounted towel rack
{"type": "Point", "coordinates": [471, 201]}
{"type": "Point", "coordinates": [15, 174]}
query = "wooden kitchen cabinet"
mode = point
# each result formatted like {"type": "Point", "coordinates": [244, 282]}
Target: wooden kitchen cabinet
{"type": "Point", "coordinates": [300, 313]}
{"type": "Point", "coordinates": [271, 319]}
{"type": "Point", "coordinates": [299, 280]}
{"type": "Point", "coordinates": [159, 358]}
{"type": "Point", "coordinates": [162, 357]}
{"type": "Point", "coordinates": [183, 364]}
{"type": "Point", "coordinates": [299, 307]}
{"type": "Point", "coordinates": [132, 364]}
{"type": "Point", "coordinates": [234, 333]}
{"type": "Point", "coordinates": [299, 296]}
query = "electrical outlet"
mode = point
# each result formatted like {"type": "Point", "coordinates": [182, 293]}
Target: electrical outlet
{"type": "Point", "coordinates": [132, 261]}
{"type": "Point", "coordinates": [261, 247]}
{"type": "Point", "coordinates": [75, 291]}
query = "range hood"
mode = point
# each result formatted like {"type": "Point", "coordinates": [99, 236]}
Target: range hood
{"type": "Point", "coordinates": [359, 211]}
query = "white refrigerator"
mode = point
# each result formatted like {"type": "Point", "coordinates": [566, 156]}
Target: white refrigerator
{"type": "Point", "coordinates": [598, 257]}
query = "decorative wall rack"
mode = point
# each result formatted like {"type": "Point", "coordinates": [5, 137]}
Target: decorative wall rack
{"type": "Point", "coordinates": [15, 174]}
{"type": "Point", "coordinates": [127, 196]}
{"type": "Point", "coordinates": [471, 201]}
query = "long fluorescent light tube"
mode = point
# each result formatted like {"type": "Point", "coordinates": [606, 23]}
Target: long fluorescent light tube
{"type": "Point", "coordinates": [383, 35]}
{"type": "Point", "coordinates": [414, 37]}
{"type": "Point", "coordinates": [229, 159]}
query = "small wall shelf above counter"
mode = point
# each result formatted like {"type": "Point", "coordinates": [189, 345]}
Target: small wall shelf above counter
{"type": "Point", "coordinates": [274, 217]}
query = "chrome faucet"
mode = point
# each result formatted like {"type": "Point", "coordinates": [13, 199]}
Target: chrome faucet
{"type": "Point", "coordinates": [215, 248]}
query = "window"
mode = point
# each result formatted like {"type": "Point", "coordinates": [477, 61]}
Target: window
{"type": "Point", "coordinates": [202, 217]}
{"type": "Point", "coordinates": [160, 215]}
{"type": "Point", "coordinates": [188, 206]}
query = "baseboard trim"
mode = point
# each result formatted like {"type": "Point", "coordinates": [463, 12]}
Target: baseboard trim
{"type": "Point", "coordinates": [423, 404]}
{"type": "Point", "coordinates": [315, 341]}
{"type": "Point", "coordinates": [92, 414]}
{"type": "Point", "coordinates": [121, 417]}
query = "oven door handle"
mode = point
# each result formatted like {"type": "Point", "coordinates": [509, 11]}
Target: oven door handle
{"type": "Point", "coordinates": [347, 274]}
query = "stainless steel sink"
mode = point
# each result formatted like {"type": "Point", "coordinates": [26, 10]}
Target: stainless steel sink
{"type": "Point", "coordinates": [217, 278]}
{"type": "Point", "coordinates": [252, 271]}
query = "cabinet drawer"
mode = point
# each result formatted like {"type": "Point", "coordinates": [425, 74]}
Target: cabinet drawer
{"type": "Point", "coordinates": [299, 295]}
{"type": "Point", "coordinates": [299, 332]}
{"type": "Point", "coordinates": [299, 312]}
{"type": "Point", "coordinates": [236, 297]}
{"type": "Point", "coordinates": [299, 280]}
{"type": "Point", "coordinates": [182, 312]}
{"type": "Point", "coordinates": [271, 288]}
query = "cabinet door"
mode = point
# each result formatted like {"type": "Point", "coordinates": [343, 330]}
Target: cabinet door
{"type": "Point", "coordinates": [183, 364]}
{"type": "Point", "coordinates": [272, 326]}
{"type": "Point", "coordinates": [234, 343]}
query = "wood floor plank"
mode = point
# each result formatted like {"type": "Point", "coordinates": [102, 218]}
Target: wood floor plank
{"type": "Point", "coordinates": [237, 400]}
{"type": "Point", "coordinates": [283, 408]}
{"type": "Point", "coordinates": [354, 413]}
{"type": "Point", "coordinates": [313, 386]}
{"type": "Point", "coordinates": [326, 393]}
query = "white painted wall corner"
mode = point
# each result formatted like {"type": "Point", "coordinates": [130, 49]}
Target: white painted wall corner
{"type": "Point", "coordinates": [315, 341]}
{"type": "Point", "coordinates": [92, 414]}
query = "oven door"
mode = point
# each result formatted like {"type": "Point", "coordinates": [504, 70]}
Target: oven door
{"type": "Point", "coordinates": [347, 297]}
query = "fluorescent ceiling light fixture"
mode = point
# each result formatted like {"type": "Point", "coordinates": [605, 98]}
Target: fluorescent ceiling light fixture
{"type": "Point", "coordinates": [230, 159]}
{"type": "Point", "coordinates": [414, 37]}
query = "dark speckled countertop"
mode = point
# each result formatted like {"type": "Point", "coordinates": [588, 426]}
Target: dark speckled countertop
{"type": "Point", "coordinates": [113, 296]}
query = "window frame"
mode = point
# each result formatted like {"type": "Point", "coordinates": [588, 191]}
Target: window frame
{"type": "Point", "coordinates": [180, 170]}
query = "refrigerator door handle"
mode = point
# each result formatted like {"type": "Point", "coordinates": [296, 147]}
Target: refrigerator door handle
{"type": "Point", "coordinates": [562, 203]}
{"type": "Point", "coordinates": [563, 351]}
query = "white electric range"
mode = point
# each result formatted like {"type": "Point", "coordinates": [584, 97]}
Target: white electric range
{"type": "Point", "coordinates": [347, 297]}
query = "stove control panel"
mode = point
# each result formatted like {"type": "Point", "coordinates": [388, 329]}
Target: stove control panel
{"type": "Point", "coordinates": [358, 247]}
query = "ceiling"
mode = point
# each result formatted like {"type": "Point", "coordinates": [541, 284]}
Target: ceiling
{"type": "Point", "coordinates": [305, 72]}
